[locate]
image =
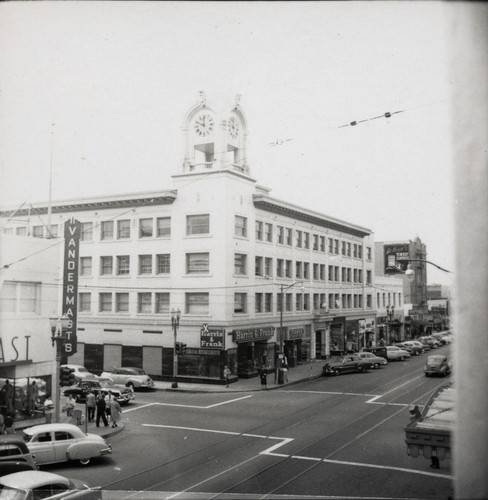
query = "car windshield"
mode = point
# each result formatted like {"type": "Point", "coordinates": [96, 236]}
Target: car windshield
{"type": "Point", "coordinates": [140, 371]}
{"type": "Point", "coordinates": [8, 493]}
{"type": "Point", "coordinates": [105, 382]}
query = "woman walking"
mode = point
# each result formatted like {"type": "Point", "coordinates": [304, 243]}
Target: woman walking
{"type": "Point", "coordinates": [115, 411]}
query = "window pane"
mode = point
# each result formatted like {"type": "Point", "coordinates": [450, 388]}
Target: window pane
{"type": "Point", "coordinates": [86, 231]}
{"type": "Point", "coordinates": [123, 264]}
{"type": "Point", "coordinates": [106, 265]}
{"type": "Point", "coordinates": [144, 302]}
{"type": "Point", "coordinates": [38, 231]}
{"type": "Point", "coordinates": [29, 297]}
{"type": "Point", "coordinates": [123, 229]}
{"type": "Point", "coordinates": [145, 228]}
{"type": "Point", "coordinates": [85, 266]}
{"type": "Point", "coordinates": [240, 301]}
{"type": "Point", "coordinates": [162, 302]}
{"type": "Point", "coordinates": [197, 263]}
{"type": "Point", "coordinates": [105, 302]}
{"type": "Point", "coordinates": [198, 224]}
{"type": "Point", "coordinates": [163, 225]}
{"type": "Point", "coordinates": [84, 302]}
{"type": "Point", "coordinates": [145, 264]}
{"type": "Point", "coordinates": [122, 302]}
{"type": "Point", "coordinates": [107, 230]}
{"type": "Point", "coordinates": [197, 303]}
{"type": "Point", "coordinates": [163, 263]}
{"type": "Point", "coordinates": [240, 226]}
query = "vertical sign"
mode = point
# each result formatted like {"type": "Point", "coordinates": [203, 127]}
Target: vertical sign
{"type": "Point", "coordinates": [72, 229]}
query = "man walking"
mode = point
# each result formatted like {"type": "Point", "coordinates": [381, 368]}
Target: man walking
{"type": "Point", "coordinates": [91, 403]}
{"type": "Point", "coordinates": [101, 410]}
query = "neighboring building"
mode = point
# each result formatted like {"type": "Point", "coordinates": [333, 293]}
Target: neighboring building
{"type": "Point", "coordinates": [390, 309]}
{"type": "Point", "coordinates": [29, 286]}
{"type": "Point", "coordinates": [219, 248]}
{"type": "Point", "coordinates": [439, 305]}
{"type": "Point", "coordinates": [392, 259]}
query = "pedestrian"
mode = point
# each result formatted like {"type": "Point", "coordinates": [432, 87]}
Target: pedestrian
{"type": "Point", "coordinates": [33, 395]}
{"type": "Point", "coordinates": [115, 411]}
{"type": "Point", "coordinates": [69, 406]}
{"type": "Point", "coordinates": [91, 403]}
{"type": "Point", "coordinates": [108, 401]}
{"type": "Point", "coordinates": [48, 409]}
{"type": "Point", "coordinates": [101, 410]}
{"type": "Point", "coordinates": [7, 393]}
{"type": "Point", "coordinates": [227, 374]}
{"type": "Point", "coordinates": [263, 374]}
{"type": "Point", "coordinates": [285, 369]}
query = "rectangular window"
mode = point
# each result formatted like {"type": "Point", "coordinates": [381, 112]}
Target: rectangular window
{"type": "Point", "coordinates": [163, 226]}
{"type": "Point", "coordinates": [281, 235]}
{"type": "Point", "coordinates": [21, 231]}
{"type": "Point", "coordinates": [86, 231]}
{"type": "Point", "coordinates": [145, 228]}
{"type": "Point", "coordinates": [162, 303]}
{"type": "Point", "coordinates": [107, 230]}
{"type": "Point", "coordinates": [163, 263]}
{"type": "Point", "coordinates": [84, 302]}
{"type": "Point", "coordinates": [258, 267]}
{"type": "Point", "coordinates": [331, 301]}
{"type": "Point", "coordinates": [106, 265]}
{"type": "Point", "coordinates": [355, 300]}
{"type": "Point", "coordinates": [348, 249]}
{"type": "Point", "coordinates": [145, 264]}
{"type": "Point", "coordinates": [331, 273]}
{"type": "Point", "coordinates": [279, 268]}
{"type": "Point", "coordinates": [197, 224]}
{"type": "Point", "coordinates": [123, 265]}
{"type": "Point", "coordinates": [316, 301]}
{"type": "Point", "coordinates": [306, 270]}
{"type": "Point", "coordinates": [268, 302]}
{"type": "Point", "coordinates": [343, 274]}
{"type": "Point", "coordinates": [299, 302]}
{"type": "Point", "coordinates": [331, 245]}
{"type": "Point", "coordinates": [336, 273]}
{"type": "Point", "coordinates": [349, 275]}
{"type": "Point", "coordinates": [38, 231]}
{"type": "Point", "coordinates": [306, 240]}
{"type": "Point", "coordinates": [240, 303]}
{"type": "Point", "coordinates": [298, 270]}
{"type": "Point", "coordinates": [355, 275]}
{"type": "Point", "coordinates": [322, 243]}
{"type": "Point", "coordinates": [343, 247]}
{"type": "Point", "coordinates": [196, 303]}
{"type": "Point", "coordinates": [29, 297]}
{"type": "Point", "coordinates": [122, 302]}
{"type": "Point", "coordinates": [258, 303]}
{"type": "Point", "coordinates": [338, 301]}
{"type": "Point", "coordinates": [268, 232]}
{"type": "Point", "coordinates": [288, 268]}
{"type": "Point", "coordinates": [355, 250]}
{"type": "Point", "coordinates": [361, 301]}
{"type": "Point", "coordinates": [259, 230]}
{"type": "Point", "coordinates": [289, 302]}
{"type": "Point", "coordinates": [315, 241]}
{"type": "Point", "coordinates": [85, 266]}
{"type": "Point", "coordinates": [105, 302]}
{"type": "Point", "coordinates": [278, 302]}
{"type": "Point", "coordinates": [289, 236]}
{"type": "Point", "coordinates": [144, 302]}
{"type": "Point", "coordinates": [322, 272]}
{"type": "Point", "coordinates": [268, 267]}
{"type": "Point", "coordinates": [240, 261]}
{"type": "Point", "coordinates": [306, 302]}
{"type": "Point", "coordinates": [369, 301]}
{"type": "Point", "coordinates": [316, 272]}
{"type": "Point", "coordinates": [360, 275]}
{"type": "Point", "coordinates": [336, 247]}
{"type": "Point", "coordinates": [197, 263]}
{"type": "Point", "coordinates": [368, 253]}
{"type": "Point", "coordinates": [240, 227]}
{"type": "Point", "coordinates": [360, 251]}
{"type": "Point", "coordinates": [299, 239]}
{"type": "Point", "coordinates": [123, 229]}
{"type": "Point", "coordinates": [368, 277]}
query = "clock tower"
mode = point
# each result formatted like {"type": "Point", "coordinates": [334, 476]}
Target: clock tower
{"type": "Point", "coordinates": [215, 140]}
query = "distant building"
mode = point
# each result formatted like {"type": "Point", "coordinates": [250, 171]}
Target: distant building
{"type": "Point", "coordinates": [252, 275]}
{"type": "Point", "coordinates": [390, 309]}
{"type": "Point", "coordinates": [392, 259]}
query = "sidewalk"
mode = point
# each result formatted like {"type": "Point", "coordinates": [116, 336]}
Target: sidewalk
{"type": "Point", "coordinates": [300, 373]}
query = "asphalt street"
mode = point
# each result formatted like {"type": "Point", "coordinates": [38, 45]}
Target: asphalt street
{"type": "Point", "coordinates": [340, 437]}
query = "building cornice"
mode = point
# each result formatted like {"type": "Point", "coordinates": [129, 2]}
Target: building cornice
{"type": "Point", "coordinates": [279, 207]}
{"type": "Point", "coordinates": [97, 203]}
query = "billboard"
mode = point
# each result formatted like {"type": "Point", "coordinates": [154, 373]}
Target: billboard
{"type": "Point", "coordinates": [396, 258]}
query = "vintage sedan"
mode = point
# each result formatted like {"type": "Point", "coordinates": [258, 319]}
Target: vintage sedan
{"type": "Point", "coordinates": [347, 364]}
{"type": "Point", "coordinates": [136, 378]}
{"type": "Point", "coordinates": [52, 443]}
{"type": "Point", "coordinates": [80, 372]}
{"type": "Point", "coordinates": [81, 389]}
{"type": "Point", "coordinates": [34, 485]}
{"type": "Point", "coordinates": [417, 347]}
{"type": "Point", "coordinates": [395, 353]}
{"type": "Point", "coordinates": [377, 361]}
{"type": "Point", "coordinates": [124, 395]}
{"type": "Point", "coordinates": [437, 364]}
{"type": "Point", "coordinates": [13, 450]}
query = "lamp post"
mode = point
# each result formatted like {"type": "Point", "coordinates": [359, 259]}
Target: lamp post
{"type": "Point", "coordinates": [175, 322]}
{"type": "Point", "coordinates": [390, 311]}
{"type": "Point", "coordinates": [57, 326]}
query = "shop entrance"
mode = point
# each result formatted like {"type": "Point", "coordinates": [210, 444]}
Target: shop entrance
{"type": "Point", "coordinates": [251, 356]}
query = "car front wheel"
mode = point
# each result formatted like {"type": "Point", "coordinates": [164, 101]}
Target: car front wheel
{"type": "Point", "coordinates": [376, 366]}
{"type": "Point", "coordinates": [131, 385]}
{"type": "Point", "coordinates": [85, 461]}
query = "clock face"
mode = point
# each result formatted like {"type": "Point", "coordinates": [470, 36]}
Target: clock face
{"type": "Point", "coordinates": [233, 127]}
{"type": "Point", "coordinates": [204, 124]}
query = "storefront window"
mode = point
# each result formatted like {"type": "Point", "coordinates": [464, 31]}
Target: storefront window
{"type": "Point", "coordinates": [200, 363]}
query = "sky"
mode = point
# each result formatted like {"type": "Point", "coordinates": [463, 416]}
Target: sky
{"type": "Point", "coordinates": [97, 92]}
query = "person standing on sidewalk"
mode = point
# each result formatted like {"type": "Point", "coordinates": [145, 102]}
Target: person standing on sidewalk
{"type": "Point", "coordinates": [101, 411]}
{"type": "Point", "coordinates": [263, 374]}
{"type": "Point", "coordinates": [91, 403]}
{"type": "Point", "coordinates": [115, 411]}
{"type": "Point", "coordinates": [227, 374]}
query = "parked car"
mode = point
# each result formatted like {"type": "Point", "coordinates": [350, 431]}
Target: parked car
{"type": "Point", "coordinates": [52, 443]}
{"type": "Point", "coordinates": [376, 361]}
{"type": "Point", "coordinates": [81, 389]}
{"type": "Point", "coordinates": [416, 346]}
{"type": "Point", "coordinates": [136, 378]}
{"type": "Point", "coordinates": [80, 372]}
{"type": "Point", "coordinates": [123, 394]}
{"type": "Point", "coordinates": [379, 351]}
{"type": "Point", "coordinates": [347, 364]}
{"type": "Point", "coordinates": [430, 341]}
{"type": "Point", "coordinates": [407, 348]}
{"type": "Point", "coordinates": [395, 353]}
{"type": "Point", "coordinates": [437, 364]}
{"type": "Point", "coordinates": [13, 450]}
{"type": "Point", "coordinates": [36, 485]}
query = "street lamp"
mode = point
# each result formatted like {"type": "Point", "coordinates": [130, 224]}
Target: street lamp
{"type": "Point", "coordinates": [57, 327]}
{"type": "Point", "coordinates": [390, 311]}
{"type": "Point", "coordinates": [410, 273]}
{"type": "Point", "coordinates": [175, 322]}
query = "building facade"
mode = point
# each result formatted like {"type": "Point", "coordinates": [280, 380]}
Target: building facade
{"type": "Point", "coordinates": [251, 275]}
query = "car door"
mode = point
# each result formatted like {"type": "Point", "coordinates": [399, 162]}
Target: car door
{"type": "Point", "coordinates": [62, 441]}
{"type": "Point", "coordinates": [42, 447]}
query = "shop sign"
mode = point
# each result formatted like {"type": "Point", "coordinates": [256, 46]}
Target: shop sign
{"type": "Point", "coordinates": [72, 229]}
{"type": "Point", "coordinates": [17, 349]}
{"type": "Point", "coordinates": [212, 338]}
{"type": "Point", "coordinates": [396, 258]}
{"type": "Point", "coordinates": [251, 334]}
{"type": "Point", "coordinates": [296, 333]}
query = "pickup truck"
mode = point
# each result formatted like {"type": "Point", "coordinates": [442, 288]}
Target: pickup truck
{"type": "Point", "coordinates": [135, 378]}
{"type": "Point", "coordinates": [429, 432]}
